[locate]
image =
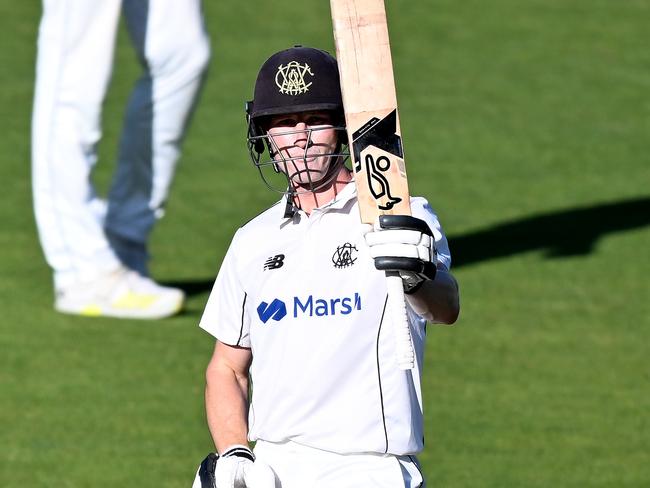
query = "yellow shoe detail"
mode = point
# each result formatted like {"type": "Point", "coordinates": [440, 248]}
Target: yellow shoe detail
{"type": "Point", "coordinates": [135, 301]}
{"type": "Point", "coordinates": [91, 311]}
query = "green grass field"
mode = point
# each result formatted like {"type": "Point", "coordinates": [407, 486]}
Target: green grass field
{"type": "Point", "coordinates": [526, 124]}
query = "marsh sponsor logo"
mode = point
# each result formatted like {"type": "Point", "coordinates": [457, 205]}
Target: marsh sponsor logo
{"type": "Point", "coordinates": [309, 306]}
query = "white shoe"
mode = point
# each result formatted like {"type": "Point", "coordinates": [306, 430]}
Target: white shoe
{"type": "Point", "coordinates": [122, 293]}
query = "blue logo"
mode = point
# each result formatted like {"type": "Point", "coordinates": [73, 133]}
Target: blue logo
{"type": "Point", "coordinates": [276, 310]}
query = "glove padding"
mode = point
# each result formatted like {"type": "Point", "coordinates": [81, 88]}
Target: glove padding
{"type": "Point", "coordinates": [235, 468]}
{"type": "Point", "coordinates": [404, 244]}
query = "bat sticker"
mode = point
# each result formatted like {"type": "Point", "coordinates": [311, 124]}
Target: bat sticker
{"type": "Point", "coordinates": [379, 133]}
{"type": "Point", "coordinates": [377, 182]}
{"type": "Point", "coordinates": [382, 134]}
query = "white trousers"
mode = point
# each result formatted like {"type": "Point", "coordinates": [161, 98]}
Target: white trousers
{"type": "Point", "coordinates": [299, 466]}
{"type": "Point", "coordinates": [76, 43]}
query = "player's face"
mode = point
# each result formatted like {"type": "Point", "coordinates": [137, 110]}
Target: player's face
{"type": "Point", "coordinates": [303, 145]}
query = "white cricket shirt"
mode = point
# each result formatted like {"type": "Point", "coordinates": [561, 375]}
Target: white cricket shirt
{"type": "Point", "coordinates": [304, 295]}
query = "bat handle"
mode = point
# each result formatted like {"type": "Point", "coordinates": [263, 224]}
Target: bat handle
{"type": "Point", "coordinates": [405, 354]}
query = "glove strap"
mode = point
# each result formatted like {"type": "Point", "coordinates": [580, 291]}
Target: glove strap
{"type": "Point", "coordinates": [239, 451]}
{"type": "Point", "coordinates": [404, 222]}
{"type": "Point", "coordinates": [411, 282]}
{"type": "Point", "coordinates": [413, 271]}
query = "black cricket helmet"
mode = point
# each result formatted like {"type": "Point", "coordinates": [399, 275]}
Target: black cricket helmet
{"type": "Point", "coordinates": [294, 80]}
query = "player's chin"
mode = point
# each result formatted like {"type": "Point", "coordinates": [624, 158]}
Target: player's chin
{"type": "Point", "coordinates": [312, 167]}
{"type": "Point", "coordinates": [310, 161]}
{"type": "Point", "coordinates": [309, 178]}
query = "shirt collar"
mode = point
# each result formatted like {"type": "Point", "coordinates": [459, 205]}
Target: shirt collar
{"type": "Point", "coordinates": [348, 192]}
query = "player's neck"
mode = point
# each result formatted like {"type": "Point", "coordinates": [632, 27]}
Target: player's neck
{"type": "Point", "coordinates": [307, 202]}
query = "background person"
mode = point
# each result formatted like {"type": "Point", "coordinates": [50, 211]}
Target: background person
{"type": "Point", "coordinates": [97, 249]}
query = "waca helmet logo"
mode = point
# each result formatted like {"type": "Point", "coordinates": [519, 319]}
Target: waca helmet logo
{"type": "Point", "coordinates": [290, 79]}
{"type": "Point", "coordinates": [276, 310]}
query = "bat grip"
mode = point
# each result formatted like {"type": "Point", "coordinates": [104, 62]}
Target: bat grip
{"type": "Point", "coordinates": [405, 354]}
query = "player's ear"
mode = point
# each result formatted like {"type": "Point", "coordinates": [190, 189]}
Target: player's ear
{"type": "Point", "coordinates": [254, 130]}
{"type": "Point", "coordinates": [343, 134]}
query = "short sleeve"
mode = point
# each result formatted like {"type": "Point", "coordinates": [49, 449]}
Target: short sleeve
{"type": "Point", "coordinates": [225, 313]}
{"type": "Point", "coordinates": [421, 209]}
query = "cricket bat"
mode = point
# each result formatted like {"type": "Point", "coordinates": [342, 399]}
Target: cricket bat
{"type": "Point", "coordinates": [375, 143]}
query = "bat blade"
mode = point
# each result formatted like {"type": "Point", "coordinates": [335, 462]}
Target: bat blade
{"type": "Point", "coordinates": [374, 135]}
{"type": "Point", "coordinates": [370, 101]}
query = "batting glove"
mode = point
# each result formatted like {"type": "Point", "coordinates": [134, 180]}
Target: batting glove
{"type": "Point", "coordinates": [405, 244]}
{"type": "Point", "coordinates": [235, 468]}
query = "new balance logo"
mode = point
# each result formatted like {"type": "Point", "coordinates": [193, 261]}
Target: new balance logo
{"type": "Point", "coordinates": [276, 310]}
{"type": "Point", "coordinates": [274, 262]}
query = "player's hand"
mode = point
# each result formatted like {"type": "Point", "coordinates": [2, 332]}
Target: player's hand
{"type": "Point", "coordinates": [235, 468]}
{"type": "Point", "coordinates": [405, 244]}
